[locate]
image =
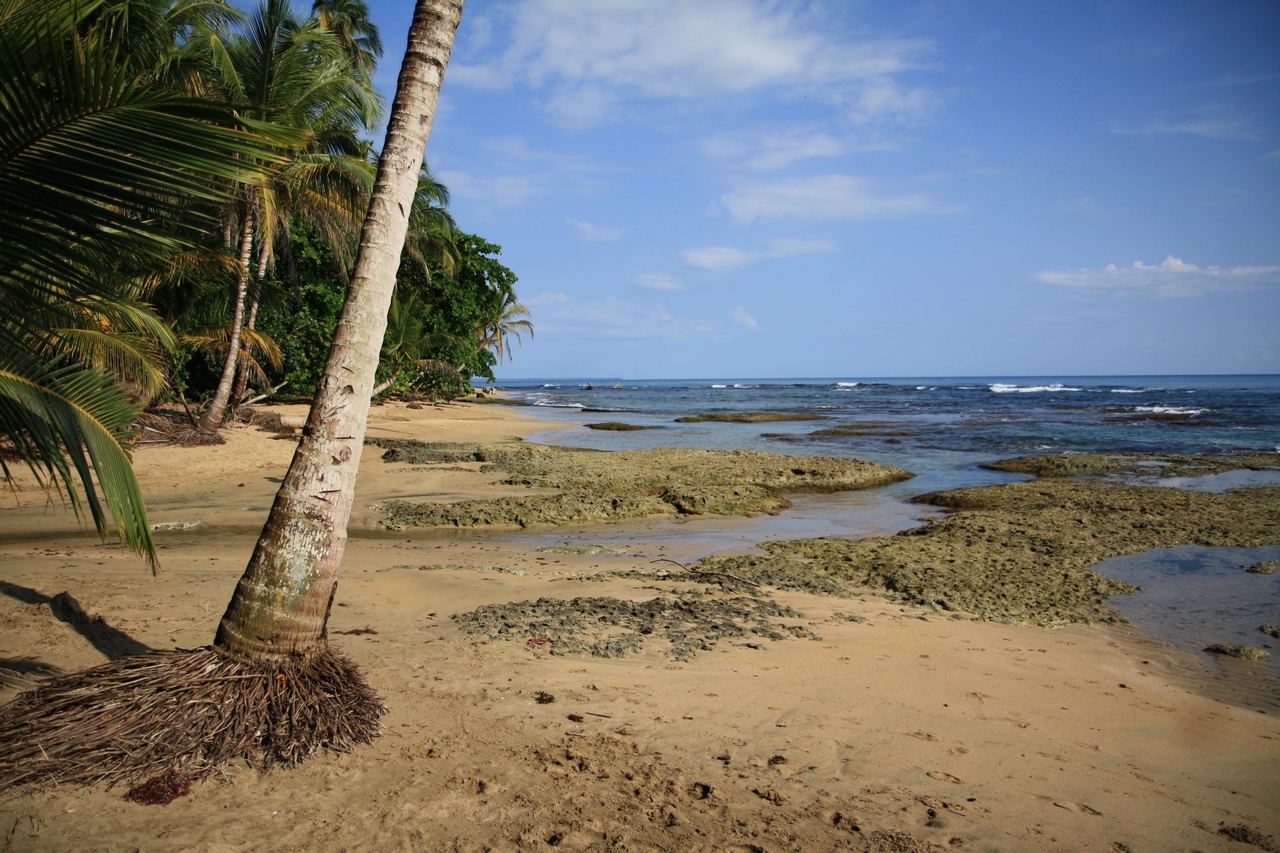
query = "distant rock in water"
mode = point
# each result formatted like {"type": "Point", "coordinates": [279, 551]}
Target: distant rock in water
{"type": "Point", "coordinates": [618, 426]}
{"type": "Point", "coordinates": [1264, 568]}
{"type": "Point", "coordinates": [748, 417]}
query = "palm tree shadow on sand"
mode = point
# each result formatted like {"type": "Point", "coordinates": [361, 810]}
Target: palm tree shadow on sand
{"type": "Point", "coordinates": [111, 642]}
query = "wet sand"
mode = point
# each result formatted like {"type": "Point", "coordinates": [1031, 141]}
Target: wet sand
{"type": "Point", "coordinates": [870, 725]}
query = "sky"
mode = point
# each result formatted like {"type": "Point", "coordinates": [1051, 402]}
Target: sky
{"type": "Point", "coordinates": [774, 189]}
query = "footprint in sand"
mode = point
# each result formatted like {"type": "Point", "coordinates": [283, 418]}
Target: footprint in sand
{"type": "Point", "coordinates": [944, 777]}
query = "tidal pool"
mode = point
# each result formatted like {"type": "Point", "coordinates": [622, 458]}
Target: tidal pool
{"type": "Point", "coordinates": [1193, 596]}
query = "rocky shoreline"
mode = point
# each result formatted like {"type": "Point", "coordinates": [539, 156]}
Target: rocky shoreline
{"type": "Point", "coordinates": [596, 485]}
{"type": "Point", "coordinates": [1017, 552]}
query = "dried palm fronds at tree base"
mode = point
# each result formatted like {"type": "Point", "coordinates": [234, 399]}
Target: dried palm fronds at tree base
{"type": "Point", "coordinates": [167, 427]}
{"type": "Point", "coordinates": [192, 711]}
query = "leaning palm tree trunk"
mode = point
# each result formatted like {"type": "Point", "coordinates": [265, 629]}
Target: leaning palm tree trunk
{"type": "Point", "coordinates": [269, 689]}
{"type": "Point", "coordinates": [282, 602]}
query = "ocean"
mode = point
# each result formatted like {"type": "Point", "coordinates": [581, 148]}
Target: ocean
{"type": "Point", "coordinates": [943, 430]}
{"type": "Point", "coordinates": [939, 429]}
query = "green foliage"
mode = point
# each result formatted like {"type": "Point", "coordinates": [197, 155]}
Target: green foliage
{"type": "Point", "coordinates": [460, 305]}
{"type": "Point", "coordinates": [106, 177]}
{"type": "Point", "coordinates": [309, 291]}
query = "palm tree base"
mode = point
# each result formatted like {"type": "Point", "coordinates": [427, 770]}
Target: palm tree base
{"type": "Point", "coordinates": [167, 427]}
{"type": "Point", "coordinates": [188, 712]}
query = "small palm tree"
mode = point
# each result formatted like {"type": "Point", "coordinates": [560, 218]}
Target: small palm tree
{"type": "Point", "coordinates": [507, 319]}
{"type": "Point", "coordinates": [406, 345]}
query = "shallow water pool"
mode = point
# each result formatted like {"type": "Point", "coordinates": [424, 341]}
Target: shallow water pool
{"type": "Point", "coordinates": [1193, 596]}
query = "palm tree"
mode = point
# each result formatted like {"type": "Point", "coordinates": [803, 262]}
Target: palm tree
{"type": "Point", "coordinates": [355, 30]}
{"type": "Point", "coordinates": [292, 74]}
{"type": "Point", "coordinates": [99, 167]}
{"type": "Point", "coordinates": [506, 319]}
{"type": "Point", "coordinates": [270, 687]}
{"type": "Point", "coordinates": [407, 343]}
{"type": "Point", "coordinates": [432, 230]}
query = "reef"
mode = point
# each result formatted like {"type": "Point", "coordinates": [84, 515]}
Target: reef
{"type": "Point", "coordinates": [608, 486]}
{"type": "Point", "coordinates": [1018, 552]}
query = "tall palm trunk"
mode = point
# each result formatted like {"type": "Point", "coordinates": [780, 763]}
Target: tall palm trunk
{"type": "Point", "coordinates": [211, 420]}
{"type": "Point", "coordinates": [242, 370]}
{"type": "Point", "coordinates": [281, 605]}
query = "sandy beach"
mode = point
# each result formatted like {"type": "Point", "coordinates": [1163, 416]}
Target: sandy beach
{"type": "Point", "coordinates": [841, 723]}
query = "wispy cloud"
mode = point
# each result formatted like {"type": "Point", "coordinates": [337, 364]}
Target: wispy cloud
{"type": "Point", "coordinates": [587, 231]}
{"type": "Point", "coordinates": [1224, 128]}
{"type": "Point", "coordinates": [740, 314]}
{"type": "Point", "coordinates": [822, 198]}
{"type": "Point", "coordinates": [1170, 278]}
{"type": "Point", "coordinates": [659, 281]}
{"type": "Point", "coordinates": [589, 56]}
{"type": "Point", "coordinates": [726, 257]}
{"type": "Point", "coordinates": [616, 319]}
{"type": "Point", "coordinates": [1084, 204]}
{"type": "Point", "coordinates": [499, 191]}
{"type": "Point", "coordinates": [506, 172]}
{"type": "Point", "coordinates": [772, 150]}
{"type": "Point", "coordinates": [546, 298]}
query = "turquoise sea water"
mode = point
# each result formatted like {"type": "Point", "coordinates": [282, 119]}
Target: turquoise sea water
{"type": "Point", "coordinates": [942, 430]}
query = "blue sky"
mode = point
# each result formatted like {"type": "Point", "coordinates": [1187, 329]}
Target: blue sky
{"type": "Point", "coordinates": [740, 188]}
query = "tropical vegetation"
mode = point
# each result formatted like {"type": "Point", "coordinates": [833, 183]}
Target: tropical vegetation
{"type": "Point", "coordinates": [184, 185]}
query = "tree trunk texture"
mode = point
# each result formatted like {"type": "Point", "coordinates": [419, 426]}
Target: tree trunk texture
{"type": "Point", "coordinates": [242, 370]}
{"type": "Point", "coordinates": [211, 420]}
{"type": "Point", "coordinates": [281, 605]}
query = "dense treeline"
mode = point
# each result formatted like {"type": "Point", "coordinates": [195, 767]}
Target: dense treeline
{"type": "Point", "coordinates": [183, 187]}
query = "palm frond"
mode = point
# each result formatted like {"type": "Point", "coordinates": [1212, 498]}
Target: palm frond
{"type": "Point", "coordinates": [76, 418]}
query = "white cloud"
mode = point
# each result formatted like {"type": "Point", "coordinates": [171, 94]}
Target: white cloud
{"type": "Point", "coordinates": [1170, 278]}
{"type": "Point", "coordinates": [822, 198]}
{"type": "Point", "coordinates": [740, 314]}
{"type": "Point", "coordinates": [588, 54]}
{"type": "Point", "coordinates": [587, 231]}
{"type": "Point", "coordinates": [885, 99]}
{"type": "Point", "coordinates": [717, 257]}
{"type": "Point", "coordinates": [658, 281]}
{"type": "Point", "coordinates": [726, 257]}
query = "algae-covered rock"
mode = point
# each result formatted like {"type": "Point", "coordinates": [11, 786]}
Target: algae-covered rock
{"type": "Point", "coordinates": [1264, 568]}
{"type": "Point", "coordinates": [1271, 631]}
{"type": "Point", "coordinates": [1234, 651]}
{"type": "Point", "coordinates": [576, 507]}
{"type": "Point", "coordinates": [606, 486]}
{"type": "Point", "coordinates": [748, 417]}
{"type": "Point", "coordinates": [614, 628]}
{"type": "Point", "coordinates": [1021, 551]}
{"type": "Point", "coordinates": [1136, 464]}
